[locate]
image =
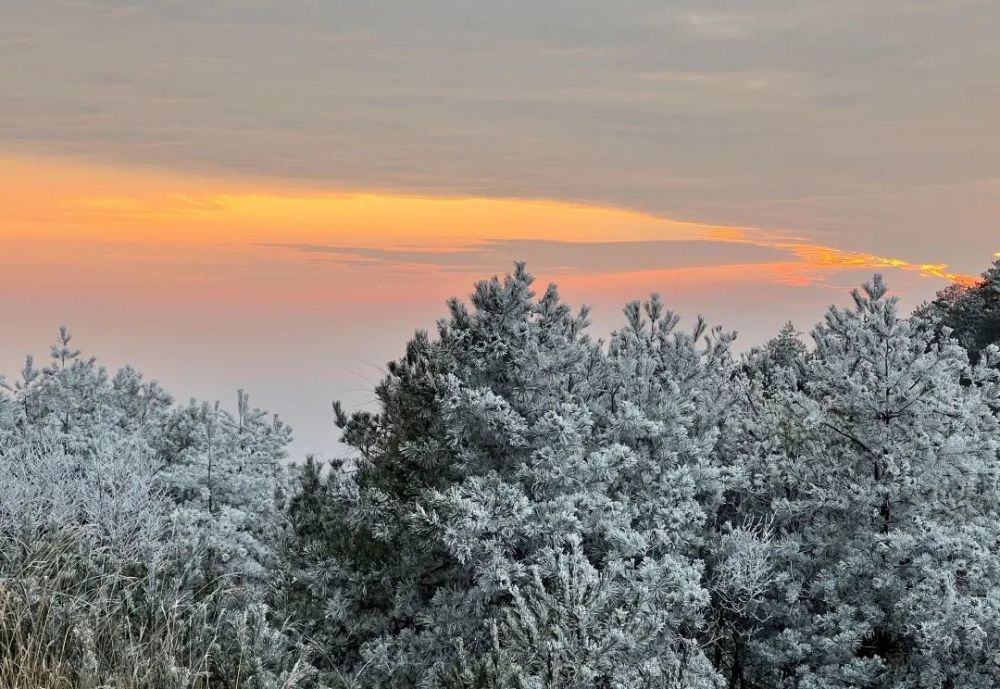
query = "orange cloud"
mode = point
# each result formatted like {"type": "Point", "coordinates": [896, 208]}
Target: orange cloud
{"type": "Point", "coordinates": [193, 230]}
{"type": "Point", "coordinates": [820, 257]}
{"type": "Point", "coordinates": [63, 200]}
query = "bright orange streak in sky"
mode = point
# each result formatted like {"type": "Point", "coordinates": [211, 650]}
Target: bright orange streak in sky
{"type": "Point", "coordinates": [56, 201]}
{"type": "Point", "coordinates": [821, 256]}
{"type": "Point", "coordinates": [62, 200]}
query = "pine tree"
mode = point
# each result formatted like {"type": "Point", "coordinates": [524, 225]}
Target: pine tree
{"type": "Point", "coordinates": [104, 526]}
{"type": "Point", "coordinates": [227, 477]}
{"type": "Point", "coordinates": [878, 475]}
{"type": "Point", "coordinates": [970, 314]}
{"type": "Point", "coordinates": [527, 506]}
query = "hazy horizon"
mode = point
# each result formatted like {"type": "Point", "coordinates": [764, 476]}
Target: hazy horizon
{"type": "Point", "coordinates": [273, 196]}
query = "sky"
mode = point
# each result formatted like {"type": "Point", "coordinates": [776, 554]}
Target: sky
{"type": "Point", "coordinates": [273, 195]}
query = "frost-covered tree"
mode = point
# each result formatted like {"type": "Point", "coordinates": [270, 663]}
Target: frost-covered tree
{"type": "Point", "coordinates": [786, 350]}
{"type": "Point", "coordinates": [226, 473]}
{"type": "Point", "coordinates": [102, 544]}
{"type": "Point", "coordinates": [526, 508]}
{"type": "Point", "coordinates": [528, 504]}
{"type": "Point", "coordinates": [876, 472]}
{"type": "Point", "coordinates": [77, 449]}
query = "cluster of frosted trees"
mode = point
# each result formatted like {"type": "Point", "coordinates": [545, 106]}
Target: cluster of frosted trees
{"type": "Point", "coordinates": [526, 507]}
{"type": "Point", "coordinates": [140, 541]}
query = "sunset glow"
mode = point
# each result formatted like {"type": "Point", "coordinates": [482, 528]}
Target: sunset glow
{"type": "Point", "coordinates": [464, 343]}
{"type": "Point", "coordinates": [162, 268]}
{"type": "Point", "coordinates": [274, 195]}
{"type": "Point", "coordinates": [185, 215]}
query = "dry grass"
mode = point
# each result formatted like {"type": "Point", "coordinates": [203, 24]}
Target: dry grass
{"type": "Point", "coordinates": [69, 620]}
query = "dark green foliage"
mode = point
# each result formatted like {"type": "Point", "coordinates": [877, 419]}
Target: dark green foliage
{"type": "Point", "coordinates": [971, 314]}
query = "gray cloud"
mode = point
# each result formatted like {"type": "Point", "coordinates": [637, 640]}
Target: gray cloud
{"type": "Point", "coordinates": [554, 256]}
{"type": "Point", "coordinates": [832, 118]}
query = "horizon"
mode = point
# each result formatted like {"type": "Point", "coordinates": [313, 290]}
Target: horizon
{"type": "Point", "coordinates": [274, 196]}
{"type": "Point", "coordinates": [601, 324]}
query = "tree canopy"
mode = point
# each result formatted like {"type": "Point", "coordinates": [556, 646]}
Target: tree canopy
{"type": "Point", "coordinates": [527, 506]}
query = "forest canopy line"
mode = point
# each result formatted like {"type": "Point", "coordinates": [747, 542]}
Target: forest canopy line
{"type": "Point", "coordinates": [527, 507]}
